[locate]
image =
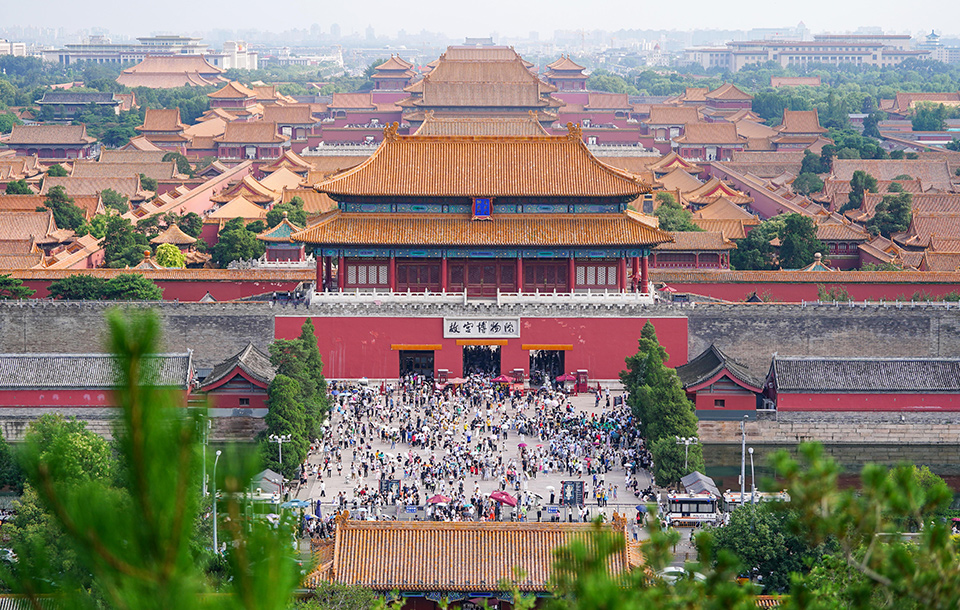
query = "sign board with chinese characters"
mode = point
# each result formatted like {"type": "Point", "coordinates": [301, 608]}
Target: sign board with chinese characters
{"type": "Point", "coordinates": [481, 328]}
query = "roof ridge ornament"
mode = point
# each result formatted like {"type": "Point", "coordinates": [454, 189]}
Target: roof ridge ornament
{"type": "Point", "coordinates": [574, 131]}
{"type": "Point", "coordinates": [390, 131]}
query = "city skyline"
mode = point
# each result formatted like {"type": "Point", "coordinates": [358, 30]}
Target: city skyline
{"type": "Point", "coordinates": [179, 17]}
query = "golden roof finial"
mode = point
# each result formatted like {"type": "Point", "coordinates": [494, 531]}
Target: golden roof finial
{"type": "Point", "coordinates": [390, 131]}
{"type": "Point", "coordinates": [574, 131]}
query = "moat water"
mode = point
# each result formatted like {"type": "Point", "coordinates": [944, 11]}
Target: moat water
{"type": "Point", "coordinates": [723, 461]}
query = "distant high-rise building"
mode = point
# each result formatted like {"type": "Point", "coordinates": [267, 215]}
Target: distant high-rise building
{"type": "Point", "coordinates": [335, 30]}
{"type": "Point", "coordinates": [371, 35]}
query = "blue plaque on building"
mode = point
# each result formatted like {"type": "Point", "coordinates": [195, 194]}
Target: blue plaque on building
{"type": "Point", "coordinates": [482, 207]}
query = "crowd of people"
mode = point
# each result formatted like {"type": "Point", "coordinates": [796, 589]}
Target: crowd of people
{"type": "Point", "coordinates": [418, 449]}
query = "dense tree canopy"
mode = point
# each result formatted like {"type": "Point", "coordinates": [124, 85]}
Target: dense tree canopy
{"type": "Point", "coordinates": [892, 215]}
{"type": "Point", "coordinates": [65, 213]}
{"type": "Point", "coordinates": [12, 288]}
{"type": "Point", "coordinates": [18, 187]}
{"type": "Point", "coordinates": [236, 242]}
{"type": "Point", "coordinates": [672, 215]}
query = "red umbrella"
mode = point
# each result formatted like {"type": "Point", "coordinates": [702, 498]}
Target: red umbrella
{"type": "Point", "coordinates": [502, 379]}
{"type": "Point", "coordinates": [438, 499]}
{"type": "Point", "coordinates": [566, 377]}
{"type": "Point", "coordinates": [503, 498]}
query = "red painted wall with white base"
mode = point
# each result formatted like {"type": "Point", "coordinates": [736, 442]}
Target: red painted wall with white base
{"type": "Point", "coordinates": [361, 347]}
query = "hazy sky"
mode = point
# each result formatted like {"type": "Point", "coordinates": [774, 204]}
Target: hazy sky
{"type": "Point", "coordinates": [481, 18]}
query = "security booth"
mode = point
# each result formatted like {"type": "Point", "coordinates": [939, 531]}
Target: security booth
{"type": "Point", "coordinates": [582, 380]}
{"type": "Point", "coordinates": [443, 375]}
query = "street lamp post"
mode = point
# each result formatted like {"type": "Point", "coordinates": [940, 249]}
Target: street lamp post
{"type": "Point", "coordinates": [753, 479]}
{"type": "Point", "coordinates": [743, 456]}
{"type": "Point", "coordinates": [216, 546]}
{"type": "Point", "coordinates": [686, 442]}
{"type": "Point", "coordinates": [205, 425]}
{"type": "Point", "coordinates": [280, 440]}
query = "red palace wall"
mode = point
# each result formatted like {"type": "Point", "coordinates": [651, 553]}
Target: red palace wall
{"type": "Point", "coordinates": [868, 402]}
{"type": "Point", "coordinates": [361, 347]}
{"type": "Point", "coordinates": [57, 398]}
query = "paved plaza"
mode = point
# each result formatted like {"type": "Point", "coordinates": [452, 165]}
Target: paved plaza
{"type": "Point", "coordinates": [538, 487]}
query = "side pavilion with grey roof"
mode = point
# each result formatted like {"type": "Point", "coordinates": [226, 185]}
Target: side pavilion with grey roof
{"type": "Point", "coordinates": [864, 384]}
{"type": "Point", "coordinates": [238, 385]}
{"type": "Point", "coordinates": [720, 387]}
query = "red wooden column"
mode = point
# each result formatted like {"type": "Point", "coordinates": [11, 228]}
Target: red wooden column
{"type": "Point", "coordinates": [572, 274]}
{"type": "Point", "coordinates": [443, 274]}
{"type": "Point", "coordinates": [392, 273]}
{"type": "Point", "coordinates": [696, 260]}
{"type": "Point", "coordinates": [319, 286]}
{"type": "Point", "coordinates": [644, 275]}
{"type": "Point", "coordinates": [622, 275]}
{"type": "Point", "coordinates": [636, 273]}
{"type": "Point", "coordinates": [519, 275]}
{"type": "Point", "coordinates": [328, 271]}
{"type": "Point", "coordinates": [341, 273]}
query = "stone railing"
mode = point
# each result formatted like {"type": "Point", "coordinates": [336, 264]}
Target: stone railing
{"type": "Point", "coordinates": [262, 263]}
{"type": "Point", "coordinates": [589, 297]}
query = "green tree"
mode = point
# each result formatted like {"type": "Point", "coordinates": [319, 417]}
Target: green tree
{"type": "Point", "coordinates": [867, 525]}
{"type": "Point", "coordinates": [807, 183]}
{"type": "Point", "coordinates": [18, 187]}
{"type": "Point", "coordinates": [813, 164]}
{"type": "Point", "coordinates": [763, 539]}
{"type": "Point", "coordinates": [335, 596]}
{"type": "Point", "coordinates": [798, 241]}
{"type": "Point", "coordinates": [183, 164]}
{"type": "Point", "coordinates": [930, 117]}
{"type": "Point", "coordinates": [122, 248]}
{"type": "Point", "coordinates": [860, 183]}
{"type": "Point", "coordinates": [673, 217]}
{"type": "Point", "coordinates": [871, 124]}
{"type": "Point", "coordinates": [11, 475]}
{"type": "Point", "coordinates": [300, 360]}
{"type": "Point", "coordinates": [671, 461]}
{"type": "Point", "coordinates": [96, 226]}
{"type": "Point", "coordinates": [191, 224]}
{"type": "Point", "coordinates": [56, 171]}
{"type": "Point", "coordinates": [148, 183]}
{"type": "Point", "coordinates": [292, 209]}
{"type": "Point", "coordinates": [892, 215]}
{"type": "Point", "coordinates": [656, 396]}
{"type": "Point", "coordinates": [65, 213]}
{"type": "Point", "coordinates": [78, 287]}
{"type": "Point", "coordinates": [114, 200]}
{"type": "Point", "coordinates": [80, 455]}
{"type": "Point", "coordinates": [583, 579]}
{"type": "Point", "coordinates": [285, 415]}
{"type": "Point", "coordinates": [8, 120]}
{"type": "Point", "coordinates": [12, 289]}
{"type": "Point", "coordinates": [131, 287]}
{"type": "Point", "coordinates": [236, 244]}
{"type": "Point", "coordinates": [169, 255]}
{"type": "Point", "coordinates": [756, 250]}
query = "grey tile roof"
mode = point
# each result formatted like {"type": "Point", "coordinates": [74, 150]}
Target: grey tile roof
{"type": "Point", "coordinates": [711, 362]}
{"type": "Point", "coordinates": [697, 482]}
{"type": "Point", "coordinates": [795, 374]}
{"type": "Point", "coordinates": [58, 97]}
{"type": "Point", "coordinates": [86, 371]}
{"type": "Point", "coordinates": [250, 359]}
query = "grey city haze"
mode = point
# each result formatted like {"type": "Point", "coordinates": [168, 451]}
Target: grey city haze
{"type": "Point", "coordinates": [502, 17]}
